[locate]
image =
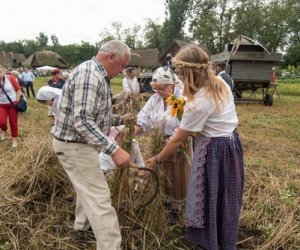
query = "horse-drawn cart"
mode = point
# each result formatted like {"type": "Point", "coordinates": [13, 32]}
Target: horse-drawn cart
{"type": "Point", "coordinates": [250, 66]}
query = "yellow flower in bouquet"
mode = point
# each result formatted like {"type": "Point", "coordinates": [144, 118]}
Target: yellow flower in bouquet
{"type": "Point", "coordinates": [177, 106]}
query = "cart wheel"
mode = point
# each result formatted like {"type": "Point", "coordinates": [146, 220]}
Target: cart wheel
{"type": "Point", "coordinates": [268, 100]}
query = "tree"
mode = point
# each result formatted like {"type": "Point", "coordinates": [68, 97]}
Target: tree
{"type": "Point", "coordinates": [86, 51]}
{"type": "Point", "coordinates": [117, 26]}
{"type": "Point", "coordinates": [249, 15]}
{"type": "Point", "coordinates": [292, 57]}
{"type": "Point", "coordinates": [152, 34]}
{"type": "Point", "coordinates": [105, 37]}
{"type": "Point", "coordinates": [269, 22]}
{"type": "Point", "coordinates": [29, 47]}
{"type": "Point", "coordinates": [70, 52]}
{"type": "Point", "coordinates": [54, 40]}
{"type": "Point", "coordinates": [203, 22]}
{"type": "Point", "coordinates": [42, 40]}
{"type": "Point", "coordinates": [211, 23]}
{"type": "Point", "coordinates": [176, 11]}
{"type": "Point", "coordinates": [131, 37]}
{"type": "Point", "coordinates": [15, 46]}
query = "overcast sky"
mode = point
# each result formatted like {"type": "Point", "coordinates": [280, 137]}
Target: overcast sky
{"type": "Point", "coordinates": [73, 21]}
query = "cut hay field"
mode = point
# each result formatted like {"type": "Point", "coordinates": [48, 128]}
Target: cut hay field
{"type": "Point", "coordinates": [37, 201]}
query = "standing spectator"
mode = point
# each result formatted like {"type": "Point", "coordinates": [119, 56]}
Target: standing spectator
{"type": "Point", "coordinates": [155, 115]}
{"type": "Point", "coordinates": [56, 81]}
{"type": "Point", "coordinates": [9, 89]}
{"type": "Point", "coordinates": [274, 77]}
{"type": "Point", "coordinates": [217, 176]}
{"type": "Point", "coordinates": [81, 131]}
{"type": "Point", "coordinates": [220, 72]}
{"type": "Point", "coordinates": [130, 82]}
{"type": "Point", "coordinates": [28, 77]}
{"type": "Point", "coordinates": [274, 84]}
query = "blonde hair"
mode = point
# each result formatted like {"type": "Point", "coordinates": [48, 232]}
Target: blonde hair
{"type": "Point", "coordinates": [195, 66]}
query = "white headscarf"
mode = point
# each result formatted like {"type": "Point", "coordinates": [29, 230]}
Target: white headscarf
{"type": "Point", "coordinates": [46, 93]}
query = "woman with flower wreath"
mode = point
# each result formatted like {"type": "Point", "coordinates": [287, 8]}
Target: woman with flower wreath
{"type": "Point", "coordinates": [216, 182]}
{"type": "Point", "coordinates": [155, 114]}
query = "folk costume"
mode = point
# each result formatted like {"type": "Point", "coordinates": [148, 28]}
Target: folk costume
{"type": "Point", "coordinates": [216, 185]}
{"type": "Point", "coordinates": [176, 168]}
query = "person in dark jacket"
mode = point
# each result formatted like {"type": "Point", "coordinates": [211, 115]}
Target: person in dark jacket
{"type": "Point", "coordinates": [220, 71]}
{"type": "Point", "coordinates": [56, 81]}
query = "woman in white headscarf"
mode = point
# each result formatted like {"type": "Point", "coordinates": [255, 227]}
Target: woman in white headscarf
{"type": "Point", "coordinates": [49, 96]}
{"type": "Point", "coordinates": [156, 114]}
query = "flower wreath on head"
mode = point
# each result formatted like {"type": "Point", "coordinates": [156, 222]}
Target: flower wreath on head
{"type": "Point", "coordinates": [181, 64]}
{"type": "Point", "coordinates": [177, 106]}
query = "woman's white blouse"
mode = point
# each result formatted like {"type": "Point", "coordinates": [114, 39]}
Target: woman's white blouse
{"type": "Point", "coordinates": [200, 115]}
{"type": "Point", "coordinates": [10, 91]}
{"type": "Point", "coordinates": [153, 115]}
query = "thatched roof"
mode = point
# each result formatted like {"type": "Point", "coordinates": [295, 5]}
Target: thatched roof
{"type": "Point", "coordinates": [146, 58]}
{"type": "Point", "coordinates": [20, 58]}
{"type": "Point", "coordinates": [11, 59]}
{"type": "Point", "coordinates": [175, 46]}
{"type": "Point", "coordinates": [45, 57]}
{"type": "Point", "coordinates": [4, 60]}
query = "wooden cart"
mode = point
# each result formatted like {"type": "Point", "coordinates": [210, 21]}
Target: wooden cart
{"type": "Point", "coordinates": [250, 66]}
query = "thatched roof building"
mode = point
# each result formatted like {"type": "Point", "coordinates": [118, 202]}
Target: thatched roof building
{"type": "Point", "coordinates": [45, 57]}
{"type": "Point", "coordinates": [175, 46]}
{"type": "Point", "coordinates": [145, 58]}
{"type": "Point", "coordinates": [11, 59]}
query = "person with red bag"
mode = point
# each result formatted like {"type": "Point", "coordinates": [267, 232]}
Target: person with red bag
{"type": "Point", "coordinates": [10, 91]}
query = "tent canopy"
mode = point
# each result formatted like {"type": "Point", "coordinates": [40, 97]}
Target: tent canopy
{"type": "Point", "coordinates": [46, 67]}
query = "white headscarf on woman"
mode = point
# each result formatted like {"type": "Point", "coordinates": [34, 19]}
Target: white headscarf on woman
{"type": "Point", "coordinates": [47, 93]}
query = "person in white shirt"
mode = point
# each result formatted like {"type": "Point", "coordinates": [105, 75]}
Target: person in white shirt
{"type": "Point", "coordinates": [215, 190]}
{"type": "Point", "coordinates": [155, 115]}
{"type": "Point", "coordinates": [130, 83]}
{"type": "Point", "coordinates": [118, 134]}
{"type": "Point", "coordinates": [156, 112]}
{"type": "Point", "coordinates": [49, 96]}
{"type": "Point", "coordinates": [28, 77]}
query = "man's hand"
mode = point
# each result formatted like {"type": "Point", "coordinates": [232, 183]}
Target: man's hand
{"type": "Point", "coordinates": [128, 118]}
{"type": "Point", "coordinates": [121, 158]}
{"type": "Point", "coordinates": [151, 164]}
